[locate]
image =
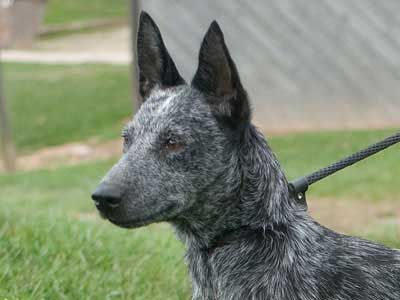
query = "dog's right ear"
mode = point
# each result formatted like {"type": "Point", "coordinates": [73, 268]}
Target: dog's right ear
{"type": "Point", "coordinates": [156, 67]}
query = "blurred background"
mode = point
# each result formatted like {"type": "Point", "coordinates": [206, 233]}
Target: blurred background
{"type": "Point", "coordinates": [324, 81]}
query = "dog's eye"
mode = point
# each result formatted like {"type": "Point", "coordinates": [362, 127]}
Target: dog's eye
{"type": "Point", "coordinates": [125, 137]}
{"type": "Point", "coordinates": [173, 145]}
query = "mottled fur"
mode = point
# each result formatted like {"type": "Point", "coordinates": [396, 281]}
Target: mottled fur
{"type": "Point", "coordinates": [193, 158]}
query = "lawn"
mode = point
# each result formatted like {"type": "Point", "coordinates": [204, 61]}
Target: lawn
{"type": "Point", "coordinates": [59, 11]}
{"type": "Point", "coordinates": [52, 105]}
{"type": "Point", "coordinates": [53, 246]}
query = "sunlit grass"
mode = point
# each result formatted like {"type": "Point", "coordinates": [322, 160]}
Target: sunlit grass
{"type": "Point", "coordinates": [52, 105]}
{"type": "Point", "coordinates": [54, 246]}
{"type": "Point", "coordinates": [59, 11]}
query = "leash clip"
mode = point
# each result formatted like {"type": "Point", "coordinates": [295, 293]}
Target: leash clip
{"type": "Point", "coordinates": [298, 189]}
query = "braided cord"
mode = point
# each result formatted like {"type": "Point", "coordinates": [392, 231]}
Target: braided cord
{"type": "Point", "coordinates": [352, 159]}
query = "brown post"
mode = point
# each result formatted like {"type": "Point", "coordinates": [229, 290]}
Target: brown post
{"type": "Point", "coordinates": [135, 7]}
{"type": "Point", "coordinates": [7, 145]}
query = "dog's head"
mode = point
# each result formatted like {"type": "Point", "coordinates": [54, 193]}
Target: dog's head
{"type": "Point", "coordinates": [182, 139]}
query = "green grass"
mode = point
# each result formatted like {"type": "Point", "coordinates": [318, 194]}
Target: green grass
{"type": "Point", "coordinates": [52, 105]}
{"type": "Point", "coordinates": [59, 11]}
{"type": "Point", "coordinates": [48, 250]}
{"type": "Point", "coordinates": [52, 247]}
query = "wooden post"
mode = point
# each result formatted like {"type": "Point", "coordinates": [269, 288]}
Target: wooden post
{"type": "Point", "coordinates": [7, 145]}
{"type": "Point", "coordinates": [134, 17]}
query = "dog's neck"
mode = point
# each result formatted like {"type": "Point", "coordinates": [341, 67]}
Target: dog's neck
{"type": "Point", "coordinates": [257, 211]}
{"type": "Point", "coordinates": [257, 198]}
{"type": "Point", "coordinates": [265, 193]}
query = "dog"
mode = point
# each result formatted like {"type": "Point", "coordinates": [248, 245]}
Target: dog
{"type": "Point", "coordinates": [192, 158]}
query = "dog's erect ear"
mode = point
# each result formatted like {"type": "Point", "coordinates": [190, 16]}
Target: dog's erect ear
{"type": "Point", "coordinates": [218, 78]}
{"type": "Point", "coordinates": [156, 67]}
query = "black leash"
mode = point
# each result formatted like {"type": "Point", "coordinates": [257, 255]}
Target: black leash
{"type": "Point", "coordinates": [299, 186]}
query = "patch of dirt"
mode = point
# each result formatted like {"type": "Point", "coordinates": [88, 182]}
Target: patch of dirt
{"type": "Point", "coordinates": [114, 41]}
{"type": "Point", "coordinates": [349, 216]}
{"type": "Point", "coordinates": [69, 154]}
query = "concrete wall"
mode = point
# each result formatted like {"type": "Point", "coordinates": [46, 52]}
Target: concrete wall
{"type": "Point", "coordinates": [5, 23]}
{"type": "Point", "coordinates": [307, 64]}
{"type": "Point", "coordinates": [20, 21]}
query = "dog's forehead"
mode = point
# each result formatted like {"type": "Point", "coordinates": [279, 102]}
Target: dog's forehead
{"type": "Point", "coordinates": [165, 106]}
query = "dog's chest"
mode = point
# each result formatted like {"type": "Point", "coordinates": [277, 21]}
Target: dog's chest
{"type": "Point", "coordinates": [229, 277]}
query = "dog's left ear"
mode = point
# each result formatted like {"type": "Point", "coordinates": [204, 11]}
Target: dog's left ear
{"type": "Point", "coordinates": [218, 78]}
{"type": "Point", "coordinates": [156, 67]}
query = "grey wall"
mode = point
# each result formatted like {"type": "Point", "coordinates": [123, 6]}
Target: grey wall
{"type": "Point", "coordinates": [307, 64]}
{"type": "Point", "coordinates": [19, 22]}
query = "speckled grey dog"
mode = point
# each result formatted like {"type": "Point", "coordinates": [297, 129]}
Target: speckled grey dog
{"type": "Point", "coordinates": [193, 158]}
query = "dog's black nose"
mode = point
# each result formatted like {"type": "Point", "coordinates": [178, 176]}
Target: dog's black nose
{"type": "Point", "coordinates": [107, 195]}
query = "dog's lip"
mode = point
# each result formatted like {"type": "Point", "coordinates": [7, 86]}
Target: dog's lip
{"type": "Point", "coordinates": [131, 224]}
{"type": "Point", "coordinates": [141, 221]}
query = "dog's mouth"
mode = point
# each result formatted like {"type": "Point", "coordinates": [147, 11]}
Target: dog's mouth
{"type": "Point", "coordinates": [163, 215]}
